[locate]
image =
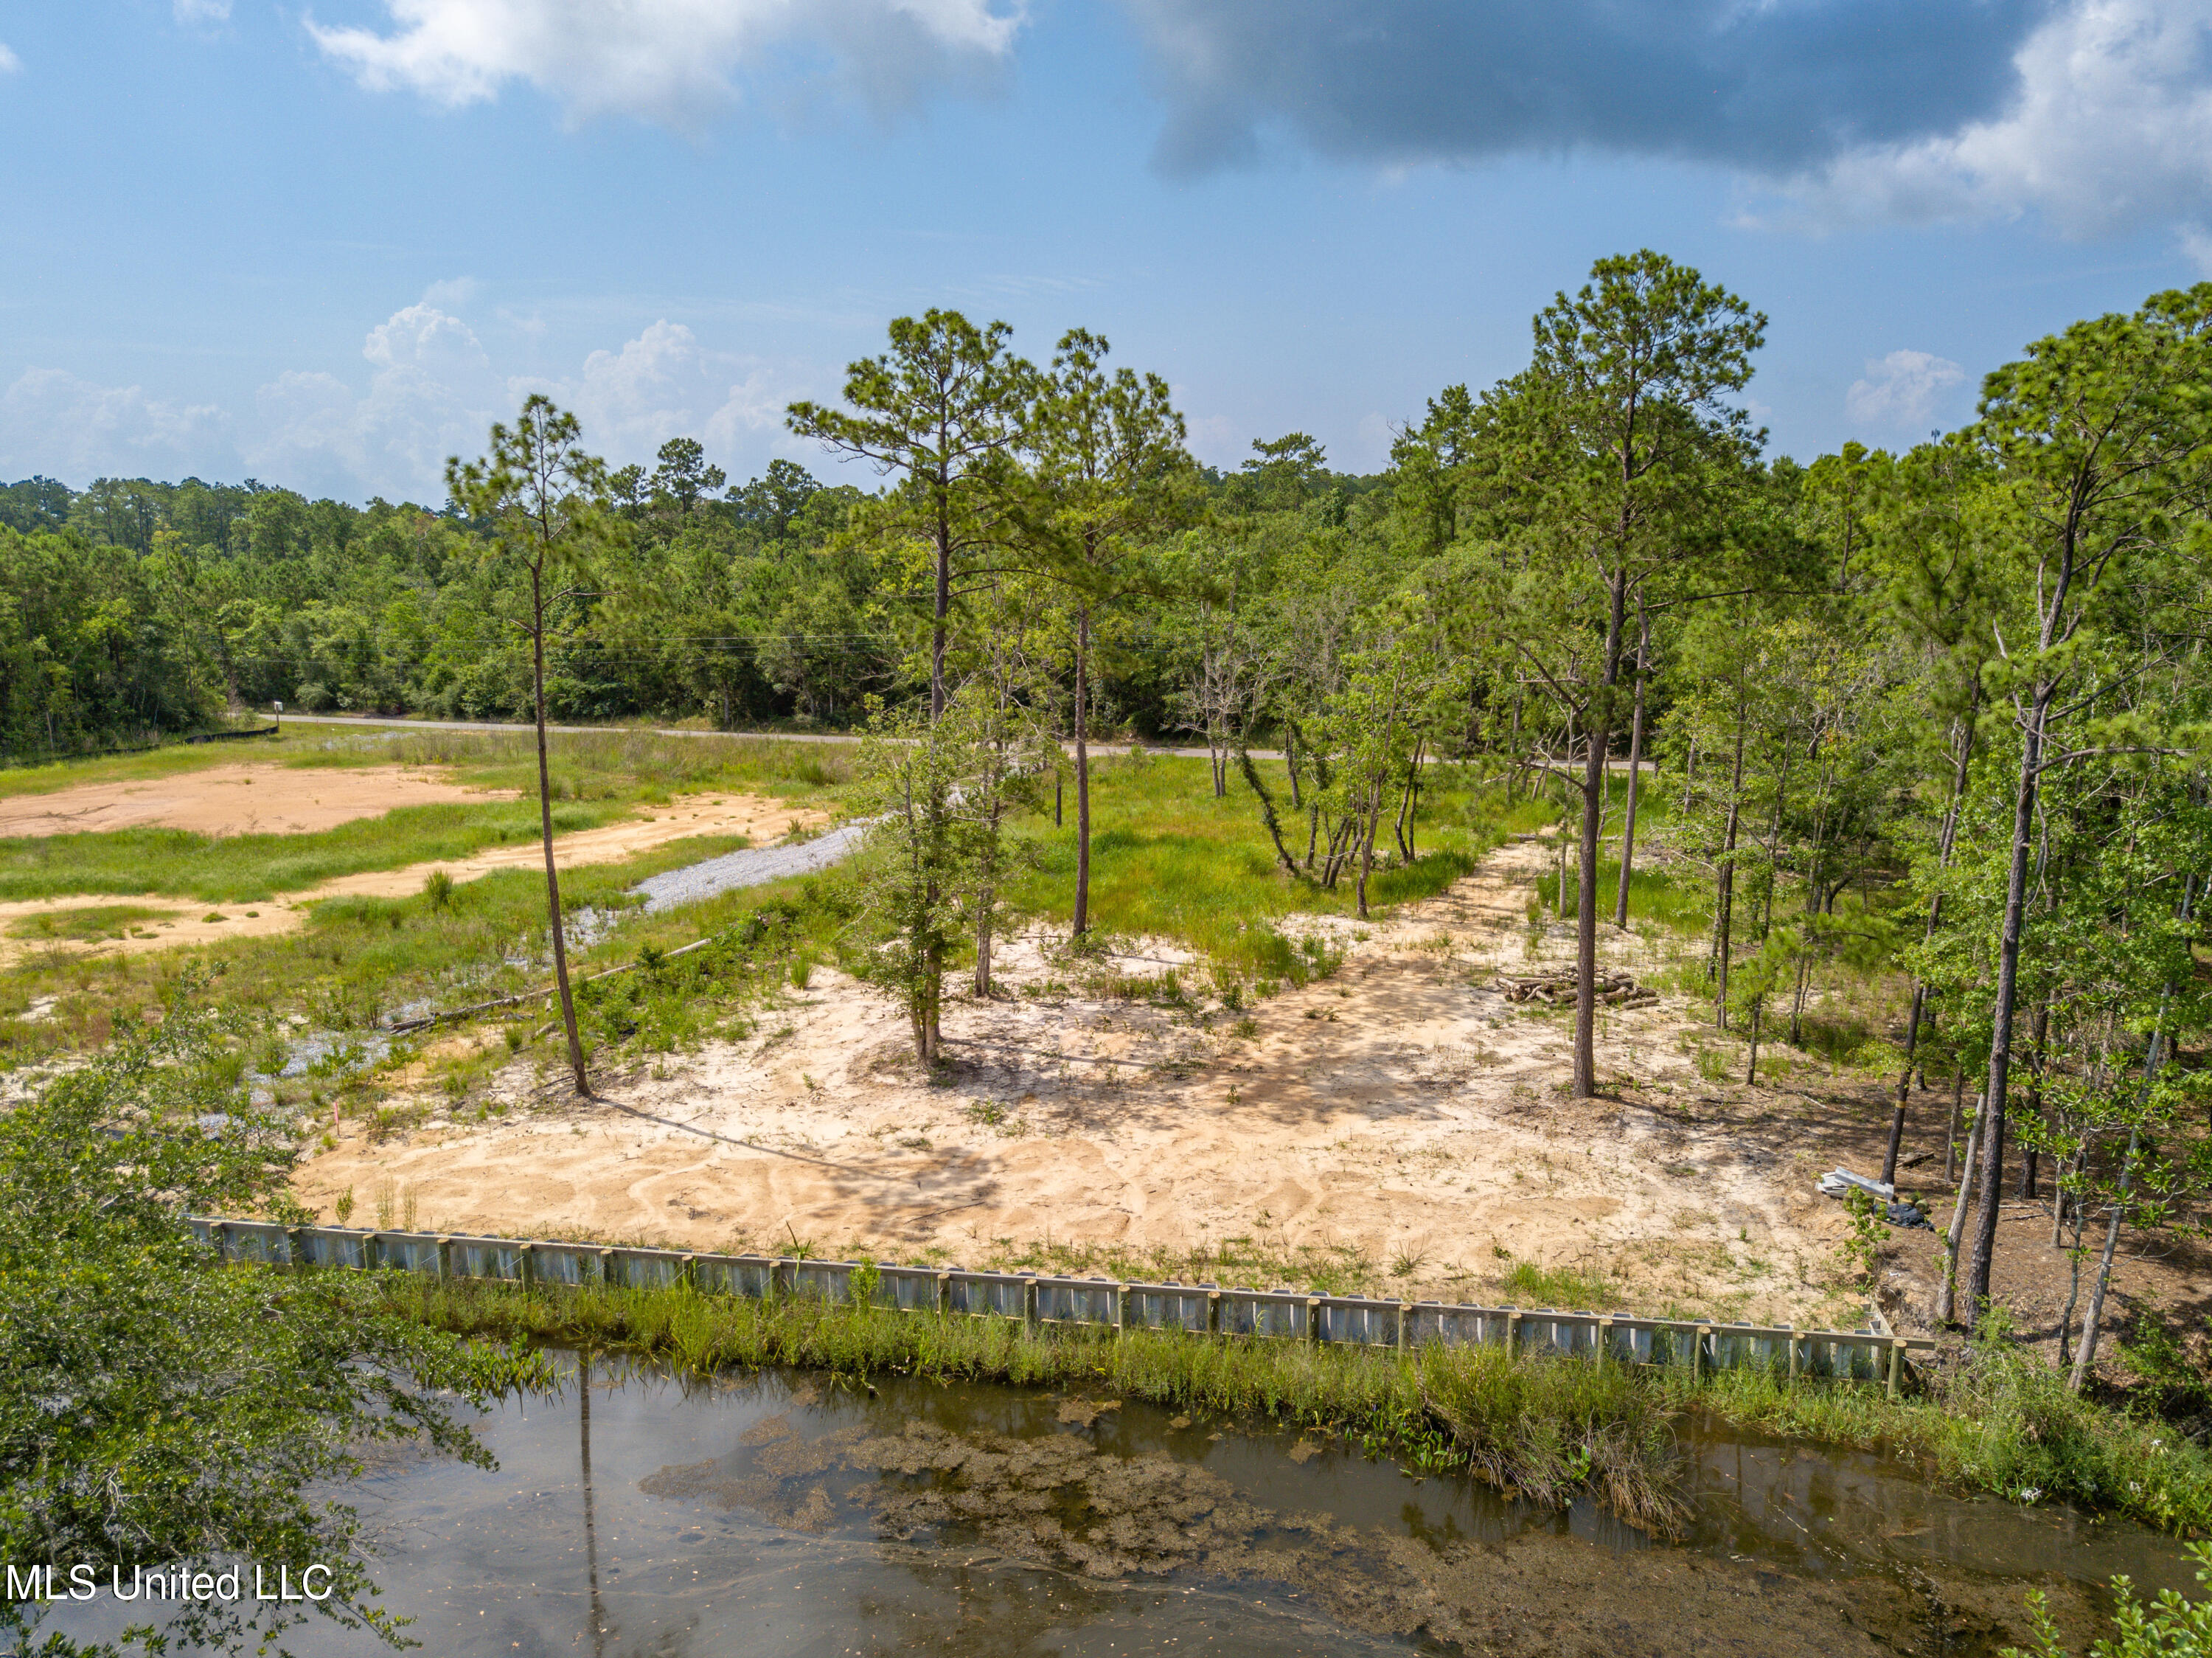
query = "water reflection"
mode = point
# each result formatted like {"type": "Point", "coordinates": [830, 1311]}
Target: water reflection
{"type": "Point", "coordinates": [633, 1517]}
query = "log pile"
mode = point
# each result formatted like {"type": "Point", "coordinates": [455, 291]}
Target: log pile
{"type": "Point", "coordinates": [1617, 989]}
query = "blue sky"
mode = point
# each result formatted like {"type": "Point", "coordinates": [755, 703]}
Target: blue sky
{"type": "Point", "coordinates": [325, 244]}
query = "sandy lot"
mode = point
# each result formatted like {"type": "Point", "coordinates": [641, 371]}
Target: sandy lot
{"type": "Point", "coordinates": [1401, 1108]}
{"type": "Point", "coordinates": [246, 799]}
{"type": "Point", "coordinates": [176, 922]}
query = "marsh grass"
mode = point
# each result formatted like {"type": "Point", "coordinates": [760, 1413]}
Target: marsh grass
{"type": "Point", "coordinates": [1551, 1428]}
{"type": "Point", "coordinates": [2004, 1422]}
{"type": "Point", "coordinates": [1547, 1428]}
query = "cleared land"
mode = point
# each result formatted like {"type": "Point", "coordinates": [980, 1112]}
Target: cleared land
{"type": "Point", "coordinates": [1396, 1120]}
{"type": "Point", "coordinates": [60, 924]}
{"type": "Point", "coordinates": [247, 799]}
{"type": "Point", "coordinates": [1391, 1124]}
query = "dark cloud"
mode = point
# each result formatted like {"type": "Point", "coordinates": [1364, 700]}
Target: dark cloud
{"type": "Point", "coordinates": [1772, 86]}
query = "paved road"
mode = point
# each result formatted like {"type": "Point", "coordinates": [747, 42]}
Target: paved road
{"type": "Point", "coordinates": [679, 731]}
{"type": "Point", "coordinates": [1616, 766]}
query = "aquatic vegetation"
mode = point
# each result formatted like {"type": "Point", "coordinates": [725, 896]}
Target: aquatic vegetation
{"type": "Point", "coordinates": [1550, 1428]}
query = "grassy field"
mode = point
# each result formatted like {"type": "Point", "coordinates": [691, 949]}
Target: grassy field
{"type": "Point", "coordinates": [357, 959]}
{"type": "Point", "coordinates": [595, 780]}
{"type": "Point", "coordinates": [1169, 861]}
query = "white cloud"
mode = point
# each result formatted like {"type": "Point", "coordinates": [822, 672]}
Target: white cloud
{"type": "Point", "coordinates": [9, 63]}
{"type": "Point", "coordinates": [203, 11]}
{"type": "Point", "coordinates": [52, 422]}
{"type": "Point", "coordinates": [1901, 391]}
{"type": "Point", "coordinates": [432, 392]}
{"type": "Point", "coordinates": [454, 292]}
{"type": "Point", "coordinates": [672, 61]}
{"type": "Point", "coordinates": [664, 384]}
{"type": "Point", "coordinates": [2111, 128]}
{"type": "Point", "coordinates": [2197, 247]}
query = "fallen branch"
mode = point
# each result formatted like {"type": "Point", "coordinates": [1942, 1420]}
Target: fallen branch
{"type": "Point", "coordinates": [409, 1027]}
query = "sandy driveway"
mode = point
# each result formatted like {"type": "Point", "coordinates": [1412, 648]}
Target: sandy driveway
{"type": "Point", "coordinates": [1396, 1108]}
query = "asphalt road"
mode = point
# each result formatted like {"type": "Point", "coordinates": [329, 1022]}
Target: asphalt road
{"type": "Point", "coordinates": [675, 731]}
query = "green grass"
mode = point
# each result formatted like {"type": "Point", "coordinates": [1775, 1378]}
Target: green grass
{"type": "Point", "coordinates": [1677, 903]}
{"type": "Point", "coordinates": [596, 779]}
{"type": "Point", "coordinates": [1561, 1287]}
{"type": "Point", "coordinates": [358, 959]}
{"type": "Point", "coordinates": [84, 924]}
{"type": "Point", "coordinates": [253, 869]}
{"type": "Point", "coordinates": [1169, 861]}
{"type": "Point", "coordinates": [2003, 1423]}
{"type": "Point", "coordinates": [1547, 1428]}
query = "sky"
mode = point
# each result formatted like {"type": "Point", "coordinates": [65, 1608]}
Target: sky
{"type": "Point", "coordinates": [324, 243]}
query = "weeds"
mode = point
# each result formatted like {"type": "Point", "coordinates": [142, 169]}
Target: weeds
{"type": "Point", "coordinates": [1549, 1428]}
{"type": "Point", "coordinates": [1565, 1287]}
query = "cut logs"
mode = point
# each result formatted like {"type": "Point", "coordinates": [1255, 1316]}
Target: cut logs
{"type": "Point", "coordinates": [1621, 989]}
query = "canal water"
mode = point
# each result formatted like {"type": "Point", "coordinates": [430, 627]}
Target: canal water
{"type": "Point", "coordinates": [788, 1516]}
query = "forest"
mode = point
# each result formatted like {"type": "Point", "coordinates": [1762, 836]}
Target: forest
{"type": "Point", "coordinates": [1933, 717]}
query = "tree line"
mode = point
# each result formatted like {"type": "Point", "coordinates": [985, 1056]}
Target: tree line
{"type": "Point", "coordinates": [1932, 717]}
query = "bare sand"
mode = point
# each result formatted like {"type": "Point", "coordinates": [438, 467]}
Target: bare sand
{"type": "Point", "coordinates": [176, 922]}
{"type": "Point", "coordinates": [1400, 1108]}
{"type": "Point", "coordinates": [246, 799]}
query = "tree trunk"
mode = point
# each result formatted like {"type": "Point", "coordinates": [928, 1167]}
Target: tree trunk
{"type": "Point", "coordinates": [1403, 824]}
{"type": "Point", "coordinates": [2001, 1023]}
{"type": "Point", "coordinates": [545, 832]}
{"type": "Point", "coordinates": [1944, 844]}
{"type": "Point", "coordinates": [2040, 1039]}
{"type": "Point", "coordinates": [1367, 850]}
{"type": "Point", "coordinates": [2085, 1351]}
{"type": "Point", "coordinates": [1081, 924]}
{"type": "Point", "coordinates": [1599, 714]}
{"type": "Point", "coordinates": [1904, 1087]}
{"type": "Point", "coordinates": [2092, 1323]}
{"type": "Point", "coordinates": [1951, 1147]}
{"type": "Point", "coordinates": [1414, 808]}
{"type": "Point", "coordinates": [1724, 897]}
{"type": "Point", "coordinates": [943, 612]}
{"type": "Point", "coordinates": [1513, 746]}
{"type": "Point", "coordinates": [1635, 769]}
{"type": "Point", "coordinates": [1947, 1288]}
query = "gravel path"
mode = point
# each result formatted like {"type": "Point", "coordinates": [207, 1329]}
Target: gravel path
{"type": "Point", "coordinates": [749, 867]}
